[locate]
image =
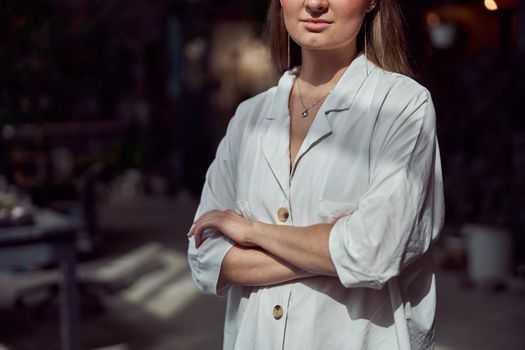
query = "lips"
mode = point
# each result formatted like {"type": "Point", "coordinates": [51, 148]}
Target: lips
{"type": "Point", "coordinates": [316, 24]}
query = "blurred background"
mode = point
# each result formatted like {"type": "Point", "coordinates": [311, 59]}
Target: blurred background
{"type": "Point", "coordinates": [110, 113]}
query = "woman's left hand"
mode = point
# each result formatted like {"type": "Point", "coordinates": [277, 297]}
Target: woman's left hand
{"type": "Point", "coordinates": [228, 222]}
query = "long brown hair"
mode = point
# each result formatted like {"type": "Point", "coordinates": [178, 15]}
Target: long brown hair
{"type": "Point", "coordinates": [385, 38]}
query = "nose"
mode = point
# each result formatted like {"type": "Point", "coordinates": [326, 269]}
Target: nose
{"type": "Point", "coordinates": [316, 6]}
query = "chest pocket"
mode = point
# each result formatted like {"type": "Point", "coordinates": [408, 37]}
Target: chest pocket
{"type": "Point", "coordinates": [329, 211]}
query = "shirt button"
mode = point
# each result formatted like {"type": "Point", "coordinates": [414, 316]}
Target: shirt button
{"type": "Point", "coordinates": [277, 312]}
{"type": "Point", "coordinates": [283, 214]}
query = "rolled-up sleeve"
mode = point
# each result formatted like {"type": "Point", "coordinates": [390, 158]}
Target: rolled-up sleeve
{"type": "Point", "coordinates": [401, 212]}
{"type": "Point", "coordinates": [218, 194]}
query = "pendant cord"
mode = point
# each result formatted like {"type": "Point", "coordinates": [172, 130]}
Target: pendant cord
{"type": "Point", "coordinates": [306, 110]}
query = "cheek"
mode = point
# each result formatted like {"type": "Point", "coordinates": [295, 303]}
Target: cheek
{"type": "Point", "coordinates": [351, 18]}
{"type": "Point", "coordinates": [291, 12]}
{"type": "Point", "coordinates": [290, 7]}
{"type": "Point", "coordinates": [352, 25]}
{"type": "Point", "coordinates": [350, 10]}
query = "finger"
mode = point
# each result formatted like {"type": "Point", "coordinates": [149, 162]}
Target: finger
{"type": "Point", "coordinates": [198, 234]}
{"type": "Point", "coordinates": [208, 214]}
{"type": "Point", "coordinates": [211, 219]}
{"type": "Point", "coordinates": [216, 214]}
{"type": "Point", "coordinates": [191, 231]}
{"type": "Point", "coordinates": [198, 222]}
{"type": "Point", "coordinates": [216, 221]}
{"type": "Point", "coordinates": [203, 238]}
{"type": "Point", "coordinates": [200, 238]}
{"type": "Point", "coordinates": [204, 220]}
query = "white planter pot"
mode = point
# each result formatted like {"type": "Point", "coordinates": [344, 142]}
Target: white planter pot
{"type": "Point", "coordinates": [489, 253]}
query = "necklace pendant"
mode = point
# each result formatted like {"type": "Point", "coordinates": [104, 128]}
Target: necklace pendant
{"type": "Point", "coordinates": [305, 113]}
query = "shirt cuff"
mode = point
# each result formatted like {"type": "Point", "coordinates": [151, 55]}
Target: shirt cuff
{"type": "Point", "coordinates": [348, 254]}
{"type": "Point", "coordinates": [206, 262]}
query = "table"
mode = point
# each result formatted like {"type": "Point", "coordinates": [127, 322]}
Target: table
{"type": "Point", "coordinates": [50, 240]}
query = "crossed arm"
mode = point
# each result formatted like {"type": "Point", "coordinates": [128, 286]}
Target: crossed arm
{"type": "Point", "coordinates": [267, 254]}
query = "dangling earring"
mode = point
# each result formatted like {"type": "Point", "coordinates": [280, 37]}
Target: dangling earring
{"type": "Point", "coordinates": [366, 49]}
{"type": "Point", "coordinates": [287, 40]}
{"type": "Point", "coordinates": [288, 51]}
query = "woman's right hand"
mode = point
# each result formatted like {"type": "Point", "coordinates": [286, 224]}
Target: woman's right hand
{"type": "Point", "coordinates": [228, 222]}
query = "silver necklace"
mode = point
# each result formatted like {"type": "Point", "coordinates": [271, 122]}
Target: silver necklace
{"type": "Point", "coordinates": [306, 110]}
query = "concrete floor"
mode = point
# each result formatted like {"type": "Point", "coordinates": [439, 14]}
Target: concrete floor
{"type": "Point", "coordinates": [141, 296]}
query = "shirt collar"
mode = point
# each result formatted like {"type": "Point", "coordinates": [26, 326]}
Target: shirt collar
{"type": "Point", "coordinates": [342, 96]}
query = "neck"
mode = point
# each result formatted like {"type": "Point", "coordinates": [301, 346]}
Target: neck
{"type": "Point", "coordinates": [323, 67]}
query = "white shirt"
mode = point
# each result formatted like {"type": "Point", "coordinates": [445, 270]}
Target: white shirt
{"type": "Point", "coordinates": [370, 156]}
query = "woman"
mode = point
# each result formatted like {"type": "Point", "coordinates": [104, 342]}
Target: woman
{"type": "Point", "coordinates": [319, 210]}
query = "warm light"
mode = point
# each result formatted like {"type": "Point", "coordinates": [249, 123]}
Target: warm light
{"type": "Point", "coordinates": [433, 19]}
{"type": "Point", "coordinates": [491, 5]}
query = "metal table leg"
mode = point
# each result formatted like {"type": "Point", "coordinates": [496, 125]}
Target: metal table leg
{"type": "Point", "coordinates": [69, 317]}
